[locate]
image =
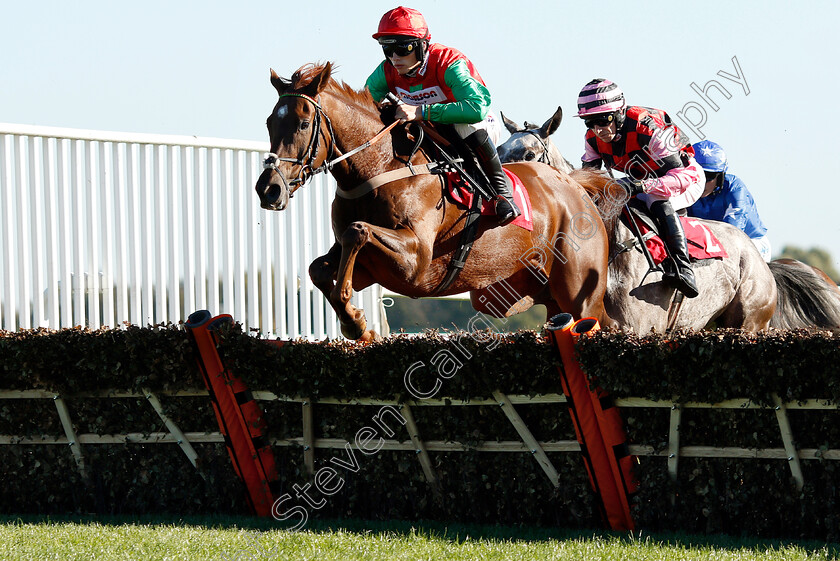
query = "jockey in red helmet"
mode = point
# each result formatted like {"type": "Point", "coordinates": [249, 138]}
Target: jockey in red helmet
{"type": "Point", "coordinates": [656, 157]}
{"type": "Point", "coordinates": [439, 84]}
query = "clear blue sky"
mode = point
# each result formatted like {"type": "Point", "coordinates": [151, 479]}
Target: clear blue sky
{"type": "Point", "coordinates": [201, 68]}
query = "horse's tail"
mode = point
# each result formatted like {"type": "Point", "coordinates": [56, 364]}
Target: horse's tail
{"type": "Point", "coordinates": [804, 299]}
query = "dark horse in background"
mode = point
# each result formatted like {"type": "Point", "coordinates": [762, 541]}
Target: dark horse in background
{"type": "Point", "coordinates": [402, 233]}
{"type": "Point", "coordinates": [806, 296]}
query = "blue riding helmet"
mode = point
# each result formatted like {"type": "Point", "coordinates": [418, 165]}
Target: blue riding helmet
{"type": "Point", "coordinates": [710, 156]}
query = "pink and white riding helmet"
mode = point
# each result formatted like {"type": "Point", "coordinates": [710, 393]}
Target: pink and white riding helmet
{"type": "Point", "coordinates": [600, 96]}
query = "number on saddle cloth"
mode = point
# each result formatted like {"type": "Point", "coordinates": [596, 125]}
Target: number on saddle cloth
{"type": "Point", "coordinates": [700, 241]}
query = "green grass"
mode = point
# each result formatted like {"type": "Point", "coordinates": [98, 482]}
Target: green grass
{"type": "Point", "coordinates": [209, 538]}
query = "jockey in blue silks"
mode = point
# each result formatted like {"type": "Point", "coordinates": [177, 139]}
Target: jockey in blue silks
{"type": "Point", "coordinates": [726, 198]}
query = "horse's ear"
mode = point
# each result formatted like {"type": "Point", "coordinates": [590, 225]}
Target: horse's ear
{"type": "Point", "coordinates": [277, 82]}
{"type": "Point", "coordinates": [320, 81]}
{"type": "Point", "coordinates": [551, 125]}
{"type": "Point", "coordinates": [509, 125]}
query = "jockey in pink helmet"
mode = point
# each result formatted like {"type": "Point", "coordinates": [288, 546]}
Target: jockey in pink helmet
{"type": "Point", "coordinates": [439, 84]}
{"type": "Point", "coordinates": [656, 157]}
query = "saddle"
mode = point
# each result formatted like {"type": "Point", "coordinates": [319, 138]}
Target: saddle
{"type": "Point", "coordinates": [447, 145]}
{"type": "Point", "coordinates": [457, 190]}
{"type": "Point", "coordinates": [701, 242]}
{"type": "Point", "coordinates": [463, 170]}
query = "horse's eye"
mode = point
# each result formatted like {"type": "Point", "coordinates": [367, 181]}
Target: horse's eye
{"type": "Point", "coordinates": [529, 156]}
{"type": "Point", "coordinates": [303, 125]}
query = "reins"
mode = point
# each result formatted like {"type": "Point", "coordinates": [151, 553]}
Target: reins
{"type": "Point", "coordinates": [404, 172]}
{"type": "Point", "coordinates": [677, 301]}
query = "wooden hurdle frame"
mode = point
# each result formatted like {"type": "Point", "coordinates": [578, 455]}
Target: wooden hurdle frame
{"type": "Point", "coordinates": [308, 444]}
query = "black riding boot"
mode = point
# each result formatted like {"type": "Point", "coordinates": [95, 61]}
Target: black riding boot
{"type": "Point", "coordinates": [674, 238]}
{"type": "Point", "coordinates": [481, 145]}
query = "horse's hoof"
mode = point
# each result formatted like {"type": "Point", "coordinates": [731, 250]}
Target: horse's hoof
{"type": "Point", "coordinates": [371, 336]}
{"type": "Point", "coordinates": [355, 330]}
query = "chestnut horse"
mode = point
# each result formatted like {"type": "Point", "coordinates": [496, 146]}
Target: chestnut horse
{"type": "Point", "coordinates": [401, 233]}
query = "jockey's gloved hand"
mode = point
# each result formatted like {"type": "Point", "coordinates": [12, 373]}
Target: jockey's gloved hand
{"type": "Point", "coordinates": [388, 113]}
{"type": "Point", "coordinates": [632, 186]}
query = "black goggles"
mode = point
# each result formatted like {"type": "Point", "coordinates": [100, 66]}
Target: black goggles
{"type": "Point", "coordinates": [599, 120]}
{"type": "Point", "coordinates": [710, 175]}
{"type": "Point", "coordinates": [399, 49]}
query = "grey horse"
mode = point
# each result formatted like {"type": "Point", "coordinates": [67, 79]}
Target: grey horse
{"type": "Point", "coordinates": [531, 143]}
{"type": "Point", "coordinates": [735, 291]}
{"type": "Point", "coordinates": [738, 291]}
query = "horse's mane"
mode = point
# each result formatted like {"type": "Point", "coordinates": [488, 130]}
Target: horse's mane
{"type": "Point", "coordinates": [608, 197]}
{"type": "Point", "coordinates": [308, 72]}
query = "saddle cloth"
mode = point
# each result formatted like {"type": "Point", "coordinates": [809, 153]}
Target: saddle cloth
{"type": "Point", "coordinates": [701, 242]}
{"type": "Point", "coordinates": [460, 193]}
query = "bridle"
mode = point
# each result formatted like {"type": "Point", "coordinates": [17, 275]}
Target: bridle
{"type": "Point", "coordinates": [545, 158]}
{"type": "Point", "coordinates": [306, 170]}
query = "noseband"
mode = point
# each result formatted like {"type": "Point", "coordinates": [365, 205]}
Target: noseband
{"type": "Point", "coordinates": [306, 170]}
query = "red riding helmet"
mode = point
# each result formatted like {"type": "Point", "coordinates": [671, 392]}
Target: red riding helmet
{"type": "Point", "coordinates": [403, 21]}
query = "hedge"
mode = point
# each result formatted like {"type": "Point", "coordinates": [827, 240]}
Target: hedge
{"type": "Point", "coordinates": [753, 497]}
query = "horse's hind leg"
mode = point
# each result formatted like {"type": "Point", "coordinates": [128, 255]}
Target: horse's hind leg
{"type": "Point", "coordinates": [754, 303]}
{"type": "Point", "coordinates": [748, 318]}
{"type": "Point", "coordinates": [587, 300]}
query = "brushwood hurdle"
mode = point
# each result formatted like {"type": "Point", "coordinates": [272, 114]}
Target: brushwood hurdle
{"type": "Point", "coordinates": [106, 228]}
{"type": "Point", "coordinates": [404, 425]}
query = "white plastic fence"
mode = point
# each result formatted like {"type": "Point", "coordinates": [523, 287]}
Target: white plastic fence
{"type": "Point", "coordinates": [102, 229]}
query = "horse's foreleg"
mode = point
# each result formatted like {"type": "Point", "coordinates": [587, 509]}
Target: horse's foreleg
{"type": "Point", "coordinates": [352, 319]}
{"type": "Point", "coordinates": [579, 285]}
{"type": "Point", "coordinates": [389, 250]}
{"type": "Point", "coordinates": [322, 271]}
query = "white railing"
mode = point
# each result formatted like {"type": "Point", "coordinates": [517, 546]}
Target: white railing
{"type": "Point", "coordinates": [102, 229]}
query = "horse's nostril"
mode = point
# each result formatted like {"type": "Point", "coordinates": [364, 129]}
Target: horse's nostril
{"type": "Point", "coordinates": [272, 193]}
